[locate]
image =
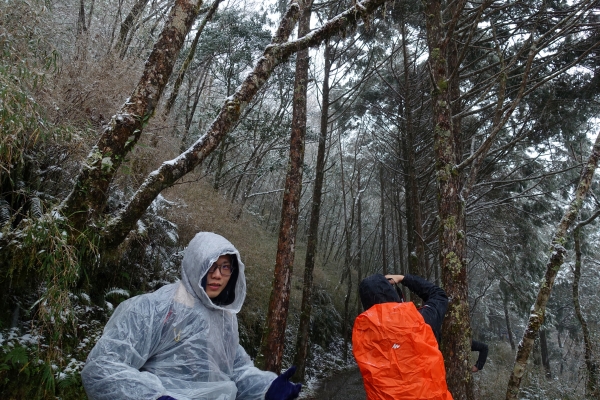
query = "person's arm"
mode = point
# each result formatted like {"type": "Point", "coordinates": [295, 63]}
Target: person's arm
{"type": "Point", "coordinates": [434, 298]}
{"type": "Point", "coordinates": [482, 348]}
{"type": "Point", "coordinates": [251, 382]}
{"type": "Point", "coordinates": [112, 368]}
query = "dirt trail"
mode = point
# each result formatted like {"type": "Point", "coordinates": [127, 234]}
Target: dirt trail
{"type": "Point", "coordinates": [345, 385]}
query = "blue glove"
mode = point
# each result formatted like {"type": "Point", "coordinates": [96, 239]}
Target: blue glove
{"type": "Point", "coordinates": [165, 398]}
{"type": "Point", "coordinates": [282, 388]}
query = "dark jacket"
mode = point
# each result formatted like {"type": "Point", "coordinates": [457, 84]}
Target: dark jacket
{"type": "Point", "coordinates": [376, 289]}
{"type": "Point", "coordinates": [482, 348]}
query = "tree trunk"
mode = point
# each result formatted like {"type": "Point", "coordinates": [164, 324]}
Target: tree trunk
{"type": "Point", "coordinates": [249, 184]}
{"type": "Point", "coordinates": [348, 276]}
{"type": "Point", "coordinates": [191, 109]}
{"type": "Point", "coordinates": [90, 14]}
{"type": "Point", "coordinates": [402, 268]}
{"type": "Point", "coordinates": [347, 236]}
{"type": "Point", "coordinates": [456, 343]}
{"type": "Point", "coordinates": [303, 338]}
{"type": "Point", "coordinates": [413, 261]}
{"type": "Point", "coordinates": [384, 259]}
{"type": "Point", "coordinates": [115, 23]}
{"type": "Point", "coordinates": [399, 269]}
{"type": "Point", "coordinates": [221, 154]}
{"type": "Point", "coordinates": [359, 239]}
{"type": "Point", "coordinates": [593, 370]}
{"type": "Point", "coordinates": [545, 355]}
{"type": "Point", "coordinates": [81, 27]}
{"type": "Point", "coordinates": [416, 245]}
{"type": "Point", "coordinates": [507, 319]}
{"type": "Point", "coordinates": [393, 230]}
{"type": "Point", "coordinates": [555, 261]}
{"type": "Point", "coordinates": [274, 335]}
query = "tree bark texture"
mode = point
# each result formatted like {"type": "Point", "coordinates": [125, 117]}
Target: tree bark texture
{"type": "Point", "coordinates": [456, 343]}
{"type": "Point", "coordinates": [274, 336]}
{"type": "Point", "coordinates": [276, 53]}
{"type": "Point", "coordinates": [303, 338]}
{"type": "Point", "coordinates": [553, 265]}
{"type": "Point", "coordinates": [90, 193]}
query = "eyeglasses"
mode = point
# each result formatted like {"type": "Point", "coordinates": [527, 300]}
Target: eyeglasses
{"type": "Point", "coordinates": [225, 269]}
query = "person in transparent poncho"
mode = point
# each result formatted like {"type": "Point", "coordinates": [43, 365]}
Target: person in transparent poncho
{"type": "Point", "coordinates": [181, 342]}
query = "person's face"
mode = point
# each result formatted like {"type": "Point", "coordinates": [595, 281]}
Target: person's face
{"type": "Point", "coordinates": [216, 280]}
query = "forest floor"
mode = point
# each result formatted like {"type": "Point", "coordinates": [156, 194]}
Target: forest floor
{"type": "Point", "coordinates": [344, 385]}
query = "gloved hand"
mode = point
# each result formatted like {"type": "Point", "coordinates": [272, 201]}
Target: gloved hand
{"type": "Point", "coordinates": [282, 388]}
{"type": "Point", "coordinates": [165, 398]}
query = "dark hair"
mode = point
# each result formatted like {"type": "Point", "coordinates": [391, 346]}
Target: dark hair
{"type": "Point", "coordinates": [227, 296]}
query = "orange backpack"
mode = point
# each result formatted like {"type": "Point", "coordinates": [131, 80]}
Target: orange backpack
{"type": "Point", "coordinates": [398, 355]}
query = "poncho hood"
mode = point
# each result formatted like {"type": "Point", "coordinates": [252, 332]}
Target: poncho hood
{"type": "Point", "coordinates": [375, 289]}
{"type": "Point", "coordinates": [175, 342]}
{"type": "Point", "coordinates": [204, 249]}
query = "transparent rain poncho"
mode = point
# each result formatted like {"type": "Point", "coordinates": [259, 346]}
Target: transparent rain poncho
{"type": "Point", "coordinates": [176, 342]}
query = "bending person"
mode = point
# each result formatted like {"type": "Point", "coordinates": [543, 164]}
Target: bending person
{"type": "Point", "coordinates": [181, 342]}
{"type": "Point", "coordinates": [395, 345]}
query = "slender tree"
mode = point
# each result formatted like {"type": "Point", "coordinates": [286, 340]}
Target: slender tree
{"type": "Point", "coordinates": [303, 341]}
{"type": "Point", "coordinates": [384, 256]}
{"type": "Point", "coordinates": [274, 336]}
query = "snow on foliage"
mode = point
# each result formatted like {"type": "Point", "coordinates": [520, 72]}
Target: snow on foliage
{"type": "Point", "coordinates": [117, 291]}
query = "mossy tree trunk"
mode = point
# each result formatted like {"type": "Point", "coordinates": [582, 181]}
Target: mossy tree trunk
{"type": "Point", "coordinates": [456, 345]}
{"type": "Point", "coordinates": [555, 261]}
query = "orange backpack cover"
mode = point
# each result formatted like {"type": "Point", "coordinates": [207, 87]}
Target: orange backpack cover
{"type": "Point", "coordinates": [398, 355]}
